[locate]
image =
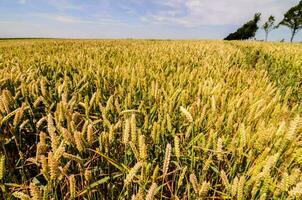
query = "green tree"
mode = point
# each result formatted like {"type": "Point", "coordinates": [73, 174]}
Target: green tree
{"type": "Point", "coordinates": [268, 26]}
{"type": "Point", "coordinates": [247, 31]}
{"type": "Point", "coordinates": [293, 19]}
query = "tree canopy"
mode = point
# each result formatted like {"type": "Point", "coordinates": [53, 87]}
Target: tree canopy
{"type": "Point", "coordinates": [247, 31]}
{"type": "Point", "coordinates": [293, 19]}
{"type": "Point", "coordinates": [268, 26]}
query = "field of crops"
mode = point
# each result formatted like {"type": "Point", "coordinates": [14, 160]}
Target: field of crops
{"type": "Point", "coordinates": [138, 119]}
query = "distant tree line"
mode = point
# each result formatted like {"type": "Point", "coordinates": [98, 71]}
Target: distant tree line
{"type": "Point", "coordinates": [292, 19]}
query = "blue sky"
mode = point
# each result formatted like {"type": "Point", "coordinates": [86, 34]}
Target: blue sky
{"type": "Point", "coordinates": [173, 19]}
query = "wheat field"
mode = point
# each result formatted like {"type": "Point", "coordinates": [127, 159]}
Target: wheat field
{"type": "Point", "coordinates": [144, 119]}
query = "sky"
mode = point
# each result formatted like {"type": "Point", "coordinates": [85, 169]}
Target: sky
{"type": "Point", "coordinates": [158, 19]}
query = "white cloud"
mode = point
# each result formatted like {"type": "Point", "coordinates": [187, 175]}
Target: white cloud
{"type": "Point", "coordinates": [216, 12]}
{"type": "Point", "coordinates": [67, 19]}
{"type": "Point", "coordinates": [65, 5]}
{"type": "Point", "coordinates": [129, 10]}
{"type": "Point", "coordinates": [22, 1]}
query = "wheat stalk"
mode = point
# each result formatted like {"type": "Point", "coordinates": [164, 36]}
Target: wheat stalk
{"type": "Point", "coordinates": [151, 192]}
{"type": "Point", "coordinates": [72, 186]}
{"type": "Point", "coordinates": [132, 172]}
{"type": "Point", "coordinates": [35, 192]}
{"type": "Point", "coordinates": [176, 147]}
{"type": "Point", "coordinates": [21, 196]}
{"type": "Point", "coordinates": [194, 182]}
{"type": "Point", "coordinates": [186, 113]}
{"type": "Point", "coordinates": [133, 129]}
{"type": "Point", "coordinates": [126, 132]}
{"type": "Point", "coordinates": [167, 160]}
{"type": "Point", "coordinates": [2, 166]}
{"type": "Point", "coordinates": [142, 147]}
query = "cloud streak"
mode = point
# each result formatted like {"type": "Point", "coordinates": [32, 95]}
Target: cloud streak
{"type": "Point", "coordinates": [65, 5]}
{"type": "Point", "coordinates": [175, 19]}
{"type": "Point", "coordinates": [68, 19]}
{"type": "Point", "coordinates": [193, 13]}
{"type": "Point", "coordinates": [22, 1]}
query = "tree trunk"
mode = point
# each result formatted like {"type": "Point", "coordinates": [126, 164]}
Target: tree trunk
{"type": "Point", "coordinates": [293, 35]}
{"type": "Point", "coordinates": [266, 35]}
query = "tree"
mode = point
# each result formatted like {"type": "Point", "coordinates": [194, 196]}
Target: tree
{"type": "Point", "coordinates": [247, 31]}
{"type": "Point", "coordinates": [268, 26]}
{"type": "Point", "coordinates": [293, 19]}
